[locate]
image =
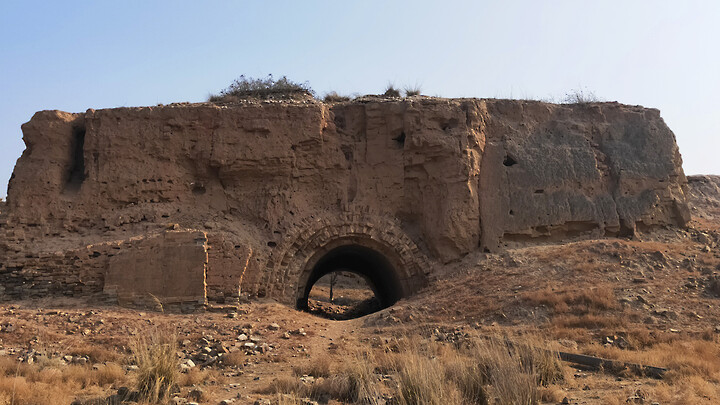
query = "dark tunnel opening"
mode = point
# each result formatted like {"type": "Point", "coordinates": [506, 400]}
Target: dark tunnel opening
{"type": "Point", "coordinates": [76, 176]}
{"type": "Point", "coordinates": [358, 268]}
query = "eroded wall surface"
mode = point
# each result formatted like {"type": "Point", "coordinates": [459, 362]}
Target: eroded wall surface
{"type": "Point", "coordinates": [271, 182]}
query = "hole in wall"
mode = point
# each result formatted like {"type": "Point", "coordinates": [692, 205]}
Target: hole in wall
{"type": "Point", "coordinates": [198, 189]}
{"type": "Point", "coordinates": [509, 161]}
{"type": "Point", "coordinates": [400, 139]}
{"type": "Point", "coordinates": [77, 166]}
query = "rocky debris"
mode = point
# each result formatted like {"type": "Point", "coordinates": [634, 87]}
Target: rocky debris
{"type": "Point", "coordinates": [456, 336]}
{"type": "Point", "coordinates": [616, 341]}
{"type": "Point", "coordinates": [208, 350]}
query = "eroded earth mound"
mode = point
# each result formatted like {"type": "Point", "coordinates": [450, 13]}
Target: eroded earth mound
{"type": "Point", "coordinates": [190, 203]}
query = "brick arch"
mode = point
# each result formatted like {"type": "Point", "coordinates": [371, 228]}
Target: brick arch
{"type": "Point", "coordinates": [287, 268]}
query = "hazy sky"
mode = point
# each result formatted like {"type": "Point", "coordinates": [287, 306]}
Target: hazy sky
{"type": "Point", "coordinates": [75, 55]}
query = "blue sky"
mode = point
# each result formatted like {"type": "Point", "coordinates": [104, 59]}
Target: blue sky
{"type": "Point", "coordinates": [75, 55]}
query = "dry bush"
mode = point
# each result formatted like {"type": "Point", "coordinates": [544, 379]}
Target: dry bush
{"type": "Point", "coordinates": [552, 393]}
{"type": "Point", "coordinates": [288, 399]}
{"type": "Point", "coordinates": [20, 391]}
{"type": "Point", "coordinates": [386, 361]}
{"type": "Point", "coordinates": [97, 354]}
{"type": "Point", "coordinates": [469, 376]}
{"type": "Point", "coordinates": [422, 382]}
{"type": "Point", "coordinates": [357, 381]}
{"type": "Point", "coordinates": [194, 376]}
{"type": "Point", "coordinates": [540, 360]}
{"type": "Point", "coordinates": [391, 91]}
{"type": "Point", "coordinates": [317, 367]}
{"type": "Point", "coordinates": [590, 321]}
{"type": "Point", "coordinates": [284, 385]}
{"type": "Point", "coordinates": [157, 364]}
{"type": "Point", "coordinates": [513, 381]}
{"type": "Point", "coordinates": [234, 359]}
{"type": "Point", "coordinates": [33, 384]}
{"type": "Point", "coordinates": [333, 97]}
{"type": "Point", "coordinates": [580, 96]}
{"type": "Point", "coordinates": [573, 301]}
{"type": "Point", "coordinates": [687, 358]}
{"type": "Point", "coordinates": [412, 91]}
{"type": "Point", "coordinates": [108, 374]}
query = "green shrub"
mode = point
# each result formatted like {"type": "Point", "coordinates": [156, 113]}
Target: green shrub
{"type": "Point", "coordinates": [267, 88]}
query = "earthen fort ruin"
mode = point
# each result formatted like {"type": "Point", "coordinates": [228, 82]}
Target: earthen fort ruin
{"type": "Point", "coordinates": [190, 203]}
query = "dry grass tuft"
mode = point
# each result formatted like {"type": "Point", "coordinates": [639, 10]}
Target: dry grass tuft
{"type": "Point", "coordinates": [157, 364]}
{"type": "Point", "coordinates": [513, 382]}
{"type": "Point", "coordinates": [96, 353]}
{"type": "Point", "coordinates": [422, 381]}
{"type": "Point", "coordinates": [234, 359]}
{"type": "Point", "coordinates": [391, 91]}
{"type": "Point", "coordinates": [573, 301]}
{"type": "Point", "coordinates": [334, 97]}
{"type": "Point", "coordinates": [50, 381]}
{"type": "Point", "coordinates": [317, 367]}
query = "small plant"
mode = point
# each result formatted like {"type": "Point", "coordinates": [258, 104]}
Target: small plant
{"type": "Point", "coordinates": [333, 97]}
{"type": "Point", "coordinates": [318, 367]}
{"type": "Point", "coordinates": [267, 88]}
{"type": "Point", "coordinates": [412, 91]}
{"type": "Point", "coordinates": [422, 381]}
{"type": "Point", "coordinates": [157, 364]}
{"type": "Point", "coordinates": [391, 91]}
{"type": "Point", "coordinates": [513, 380]}
{"type": "Point", "coordinates": [581, 96]}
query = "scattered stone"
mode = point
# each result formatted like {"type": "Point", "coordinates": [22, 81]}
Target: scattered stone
{"type": "Point", "coordinates": [274, 326]}
{"type": "Point", "coordinates": [196, 394]}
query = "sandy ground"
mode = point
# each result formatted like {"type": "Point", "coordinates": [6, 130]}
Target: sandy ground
{"type": "Point", "coordinates": [652, 299]}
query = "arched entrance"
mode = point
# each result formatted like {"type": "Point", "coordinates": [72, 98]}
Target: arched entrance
{"type": "Point", "coordinates": [292, 261]}
{"type": "Point", "coordinates": [371, 261]}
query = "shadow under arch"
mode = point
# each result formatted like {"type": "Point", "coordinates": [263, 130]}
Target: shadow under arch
{"type": "Point", "coordinates": [379, 264]}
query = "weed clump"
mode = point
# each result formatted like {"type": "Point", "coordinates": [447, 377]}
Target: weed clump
{"type": "Point", "coordinates": [391, 91]}
{"type": "Point", "coordinates": [157, 364]}
{"type": "Point", "coordinates": [412, 91]}
{"type": "Point", "coordinates": [262, 88]}
{"type": "Point", "coordinates": [334, 97]}
{"type": "Point", "coordinates": [581, 97]}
